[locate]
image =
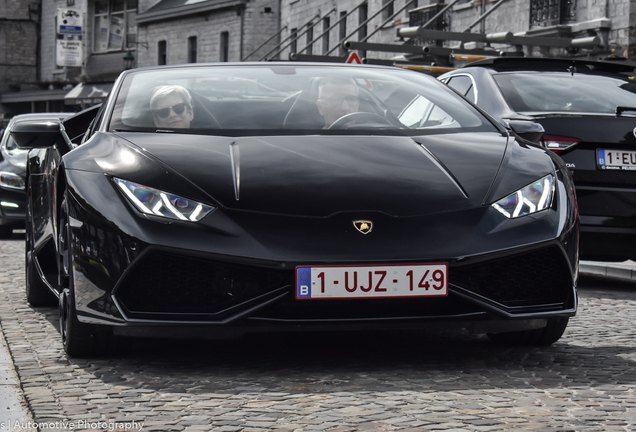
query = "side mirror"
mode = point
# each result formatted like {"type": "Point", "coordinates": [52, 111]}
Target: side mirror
{"type": "Point", "coordinates": [527, 130]}
{"type": "Point", "coordinates": [29, 134]}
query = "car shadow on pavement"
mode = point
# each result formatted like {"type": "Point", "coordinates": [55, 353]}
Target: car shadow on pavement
{"type": "Point", "coordinates": [383, 361]}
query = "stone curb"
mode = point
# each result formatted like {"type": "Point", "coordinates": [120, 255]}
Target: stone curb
{"type": "Point", "coordinates": [624, 271]}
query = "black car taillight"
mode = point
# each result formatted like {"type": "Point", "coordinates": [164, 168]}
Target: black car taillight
{"type": "Point", "coordinates": [558, 144]}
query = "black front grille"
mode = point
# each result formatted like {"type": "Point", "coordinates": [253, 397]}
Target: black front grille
{"type": "Point", "coordinates": [534, 278]}
{"type": "Point", "coordinates": [164, 283]}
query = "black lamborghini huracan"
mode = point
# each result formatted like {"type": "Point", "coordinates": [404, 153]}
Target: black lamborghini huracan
{"type": "Point", "coordinates": [201, 200]}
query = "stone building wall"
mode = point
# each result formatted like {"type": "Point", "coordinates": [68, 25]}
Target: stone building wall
{"type": "Point", "coordinates": [297, 13]}
{"type": "Point", "coordinates": [176, 32]}
{"type": "Point", "coordinates": [511, 16]}
{"type": "Point", "coordinates": [260, 21]}
{"type": "Point", "coordinates": [18, 45]}
{"type": "Point", "coordinates": [514, 16]}
{"type": "Point", "coordinates": [15, 9]}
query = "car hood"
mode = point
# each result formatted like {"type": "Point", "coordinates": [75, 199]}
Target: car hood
{"type": "Point", "coordinates": [317, 176]}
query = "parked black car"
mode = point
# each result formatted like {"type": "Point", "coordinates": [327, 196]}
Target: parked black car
{"type": "Point", "coordinates": [12, 170]}
{"type": "Point", "coordinates": [214, 198]}
{"type": "Point", "coordinates": [588, 111]}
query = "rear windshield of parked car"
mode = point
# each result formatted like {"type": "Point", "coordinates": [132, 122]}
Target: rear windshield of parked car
{"type": "Point", "coordinates": [282, 99]}
{"type": "Point", "coordinates": [566, 92]}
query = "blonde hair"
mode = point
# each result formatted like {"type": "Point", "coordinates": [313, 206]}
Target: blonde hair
{"type": "Point", "coordinates": [164, 91]}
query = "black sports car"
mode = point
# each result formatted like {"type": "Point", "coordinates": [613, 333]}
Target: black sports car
{"type": "Point", "coordinates": [588, 111]}
{"type": "Point", "coordinates": [202, 200]}
{"type": "Point", "coordinates": [12, 169]}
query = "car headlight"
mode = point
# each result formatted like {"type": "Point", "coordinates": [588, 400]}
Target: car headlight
{"type": "Point", "coordinates": [11, 180]}
{"type": "Point", "coordinates": [158, 203]}
{"type": "Point", "coordinates": [530, 199]}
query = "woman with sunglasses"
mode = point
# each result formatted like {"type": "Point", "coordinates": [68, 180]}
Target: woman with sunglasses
{"type": "Point", "coordinates": [172, 107]}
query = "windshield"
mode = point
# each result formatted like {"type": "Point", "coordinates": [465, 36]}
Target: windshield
{"type": "Point", "coordinates": [291, 98]}
{"type": "Point", "coordinates": [564, 92]}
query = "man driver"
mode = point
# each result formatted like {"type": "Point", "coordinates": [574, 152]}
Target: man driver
{"type": "Point", "coordinates": [337, 97]}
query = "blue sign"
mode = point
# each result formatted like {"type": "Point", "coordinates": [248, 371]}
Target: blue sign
{"type": "Point", "coordinates": [303, 282]}
{"type": "Point", "coordinates": [601, 157]}
{"type": "Point", "coordinates": [74, 30]}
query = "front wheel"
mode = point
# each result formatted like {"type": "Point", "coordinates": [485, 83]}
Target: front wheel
{"type": "Point", "coordinates": [79, 339]}
{"type": "Point", "coordinates": [37, 292]}
{"type": "Point", "coordinates": [535, 337]}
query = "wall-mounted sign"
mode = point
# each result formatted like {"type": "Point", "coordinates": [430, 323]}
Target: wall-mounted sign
{"type": "Point", "coordinates": [69, 21]}
{"type": "Point", "coordinates": [69, 53]}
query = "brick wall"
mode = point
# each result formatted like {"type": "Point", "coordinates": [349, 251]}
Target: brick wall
{"type": "Point", "coordinates": [258, 26]}
{"type": "Point", "coordinates": [18, 44]}
{"type": "Point", "coordinates": [15, 9]}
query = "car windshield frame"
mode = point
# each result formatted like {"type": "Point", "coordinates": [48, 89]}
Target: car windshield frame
{"type": "Point", "coordinates": [245, 99]}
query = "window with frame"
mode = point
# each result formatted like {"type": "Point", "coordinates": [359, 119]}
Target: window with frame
{"type": "Point", "coordinates": [115, 25]}
{"type": "Point", "coordinates": [552, 12]}
{"type": "Point", "coordinates": [225, 47]}
{"type": "Point", "coordinates": [326, 23]}
{"type": "Point", "coordinates": [192, 49]}
{"type": "Point", "coordinates": [464, 85]}
{"type": "Point", "coordinates": [162, 53]}
{"type": "Point", "coordinates": [388, 10]}
{"type": "Point", "coordinates": [309, 49]}
{"type": "Point", "coordinates": [342, 31]}
{"type": "Point", "coordinates": [294, 40]}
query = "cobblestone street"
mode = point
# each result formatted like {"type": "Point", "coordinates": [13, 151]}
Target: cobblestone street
{"type": "Point", "coordinates": [308, 382]}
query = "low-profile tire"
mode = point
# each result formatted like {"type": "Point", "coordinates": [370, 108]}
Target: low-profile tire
{"type": "Point", "coordinates": [6, 232]}
{"type": "Point", "coordinates": [536, 337]}
{"type": "Point", "coordinates": [37, 292]}
{"type": "Point", "coordinates": [79, 339]}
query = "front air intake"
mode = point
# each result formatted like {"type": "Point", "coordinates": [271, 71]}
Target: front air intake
{"type": "Point", "coordinates": [170, 284]}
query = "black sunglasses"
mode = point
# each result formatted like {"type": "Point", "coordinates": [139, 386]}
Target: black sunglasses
{"type": "Point", "coordinates": [165, 112]}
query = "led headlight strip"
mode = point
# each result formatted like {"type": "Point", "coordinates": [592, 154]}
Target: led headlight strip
{"type": "Point", "coordinates": [158, 203]}
{"type": "Point", "coordinates": [530, 199]}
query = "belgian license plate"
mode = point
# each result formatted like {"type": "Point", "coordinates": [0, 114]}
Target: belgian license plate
{"type": "Point", "coordinates": [413, 280]}
{"type": "Point", "coordinates": [616, 159]}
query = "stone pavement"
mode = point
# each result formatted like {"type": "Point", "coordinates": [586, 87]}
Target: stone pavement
{"type": "Point", "coordinates": [13, 408]}
{"type": "Point", "coordinates": [337, 383]}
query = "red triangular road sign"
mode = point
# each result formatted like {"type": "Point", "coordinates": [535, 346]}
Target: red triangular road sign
{"type": "Point", "coordinates": [354, 58]}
